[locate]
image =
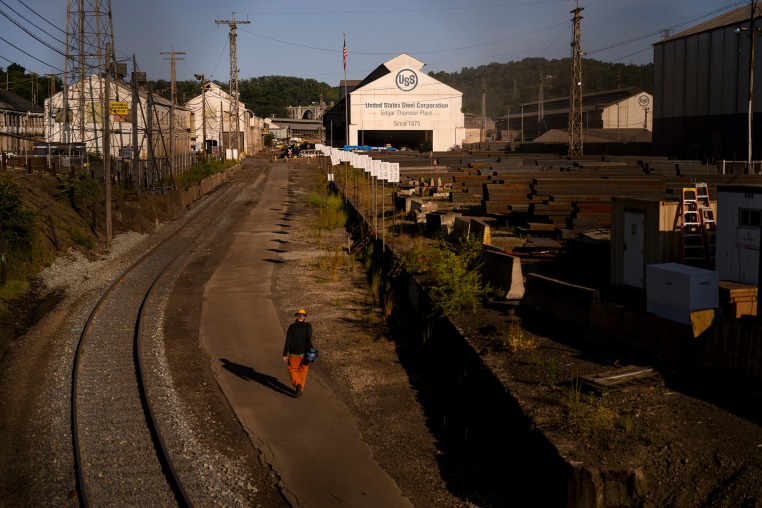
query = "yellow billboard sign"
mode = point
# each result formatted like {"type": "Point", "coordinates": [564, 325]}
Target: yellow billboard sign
{"type": "Point", "coordinates": [118, 107]}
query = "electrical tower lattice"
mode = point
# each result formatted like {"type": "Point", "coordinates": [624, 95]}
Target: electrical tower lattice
{"type": "Point", "coordinates": [575, 95]}
{"type": "Point", "coordinates": [89, 36]}
{"type": "Point", "coordinates": [235, 121]}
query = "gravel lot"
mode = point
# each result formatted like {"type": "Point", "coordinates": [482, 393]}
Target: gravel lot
{"type": "Point", "coordinates": [699, 450]}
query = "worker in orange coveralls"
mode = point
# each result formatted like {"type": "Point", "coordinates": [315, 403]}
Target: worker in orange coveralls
{"type": "Point", "coordinates": [298, 343]}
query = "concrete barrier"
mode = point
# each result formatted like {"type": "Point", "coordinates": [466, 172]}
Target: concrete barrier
{"type": "Point", "coordinates": [503, 272]}
{"type": "Point", "coordinates": [440, 223]}
{"type": "Point", "coordinates": [463, 226]}
{"type": "Point", "coordinates": [559, 300]}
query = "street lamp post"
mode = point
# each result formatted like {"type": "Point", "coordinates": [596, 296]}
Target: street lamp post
{"type": "Point", "coordinates": [751, 31]}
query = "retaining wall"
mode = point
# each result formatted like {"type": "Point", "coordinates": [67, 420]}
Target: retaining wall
{"type": "Point", "coordinates": [143, 214]}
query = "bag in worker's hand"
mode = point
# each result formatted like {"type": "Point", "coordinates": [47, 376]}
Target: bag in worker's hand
{"type": "Point", "coordinates": [312, 355]}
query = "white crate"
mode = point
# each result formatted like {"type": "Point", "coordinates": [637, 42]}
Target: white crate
{"type": "Point", "coordinates": [674, 290]}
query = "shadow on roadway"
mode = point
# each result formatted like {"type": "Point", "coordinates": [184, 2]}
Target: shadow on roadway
{"type": "Point", "coordinates": [249, 374]}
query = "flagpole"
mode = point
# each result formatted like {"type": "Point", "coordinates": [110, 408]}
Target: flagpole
{"type": "Point", "coordinates": [346, 97]}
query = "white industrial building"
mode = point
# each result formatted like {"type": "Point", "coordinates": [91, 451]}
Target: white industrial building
{"type": "Point", "coordinates": [400, 106]}
{"type": "Point", "coordinates": [84, 122]}
{"type": "Point", "coordinates": [217, 121]}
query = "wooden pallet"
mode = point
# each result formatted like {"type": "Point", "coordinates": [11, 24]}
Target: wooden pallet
{"type": "Point", "coordinates": [624, 379]}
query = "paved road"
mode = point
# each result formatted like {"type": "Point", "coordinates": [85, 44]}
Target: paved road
{"type": "Point", "coordinates": [312, 443]}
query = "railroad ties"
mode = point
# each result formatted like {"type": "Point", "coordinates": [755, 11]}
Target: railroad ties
{"type": "Point", "coordinates": [623, 379]}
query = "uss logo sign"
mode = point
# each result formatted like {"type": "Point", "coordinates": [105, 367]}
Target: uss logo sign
{"type": "Point", "coordinates": [407, 80]}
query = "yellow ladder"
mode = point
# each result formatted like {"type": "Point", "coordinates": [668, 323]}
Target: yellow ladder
{"type": "Point", "coordinates": [709, 230]}
{"type": "Point", "coordinates": [693, 244]}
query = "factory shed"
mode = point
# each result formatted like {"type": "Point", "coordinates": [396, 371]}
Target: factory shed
{"type": "Point", "coordinates": [400, 106]}
{"type": "Point", "coordinates": [701, 90]}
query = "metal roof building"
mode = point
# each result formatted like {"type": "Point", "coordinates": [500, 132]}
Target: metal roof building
{"type": "Point", "coordinates": [618, 110]}
{"type": "Point", "coordinates": [21, 123]}
{"type": "Point", "coordinates": [399, 105]}
{"type": "Point", "coordinates": [701, 90]}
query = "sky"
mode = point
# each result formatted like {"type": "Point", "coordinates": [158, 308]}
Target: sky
{"type": "Point", "coordinates": [305, 39]}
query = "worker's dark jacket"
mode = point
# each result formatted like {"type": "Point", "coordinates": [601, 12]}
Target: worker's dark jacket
{"type": "Point", "coordinates": [298, 338]}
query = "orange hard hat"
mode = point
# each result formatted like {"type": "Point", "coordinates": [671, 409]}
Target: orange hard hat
{"type": "Point", "coordinates": [301, 312]}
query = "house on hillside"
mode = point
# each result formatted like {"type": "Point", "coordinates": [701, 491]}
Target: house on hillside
{"type": "Point", "coordinates": [22, 123]}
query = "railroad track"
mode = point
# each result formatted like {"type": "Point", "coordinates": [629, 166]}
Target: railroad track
{"type": "Point", "coordinates": [121, 450]}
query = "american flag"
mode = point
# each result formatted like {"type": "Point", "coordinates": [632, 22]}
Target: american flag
{"type": "Point", "coordinates": [345, 53]}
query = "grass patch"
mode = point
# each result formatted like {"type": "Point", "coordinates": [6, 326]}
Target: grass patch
{"type": "Point", "coordinates": [80, 237]}
{"type": "Point", "coordinates": [516, 339]}
{"type": "Point", "coordinates": [202, 170]}
{"type": "Point", "coordinates": [333, 263]}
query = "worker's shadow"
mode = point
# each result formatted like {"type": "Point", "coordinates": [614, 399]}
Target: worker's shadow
{"type": "Point", "coordinates": [247, 373]}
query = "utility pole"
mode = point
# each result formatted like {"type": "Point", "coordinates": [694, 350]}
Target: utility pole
{"type": "Point", "coordinates": [137, 79]}
{"type": "Point", "coordinates": [107, 143]}
{"type": "Point", "coordinates": [484, 110]}
{"type": "Point", "coordinates": [540, 103]}
{"type": "Point", "coordinates": [203, 113]}
{"type": "Point", "coordinates": [172, 108]}
{"type": "Point", "coordinates": [233, 76]}
{"type": "Point", "coordinates": [575, 96]}
{"type": "Point", "coordinates": [751, 32]}
{"type": "Point", "coordinates": [50, 118]}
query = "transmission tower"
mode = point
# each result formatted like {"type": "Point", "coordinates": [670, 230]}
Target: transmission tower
{"type": "Point", "coordinates": [233, 76]}
{"type": "Point", "coordinates": [89, 36]}
{"type": "Point", "coordinates": [540, 102]}
{"type": "Point", "coordinates": [575, 96]}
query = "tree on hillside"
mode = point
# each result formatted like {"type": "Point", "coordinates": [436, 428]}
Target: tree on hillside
{"type": "Point", "coordinates": [265, 95]}
{"type": "Point", "coordinates": [30, 86]}
{"type": "Point", "coordinates": [508, 85]}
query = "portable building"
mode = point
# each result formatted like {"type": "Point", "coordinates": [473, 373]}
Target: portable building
{"type": "Point", "coordinates": [643, 232]}
{"type": "Point", "coordinates": [738, 232]}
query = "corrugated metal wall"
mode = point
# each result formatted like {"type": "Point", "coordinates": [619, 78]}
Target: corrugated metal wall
{"type": "Point", "coordinates": [701, 92]}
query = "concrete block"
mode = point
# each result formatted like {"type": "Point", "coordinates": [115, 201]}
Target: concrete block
{"type": "Point", "coordinates": [481, 230]}
{"type": "Point", "coordinates": [461, 226]}
{"type": "Point", "coordinates": [504, 272]}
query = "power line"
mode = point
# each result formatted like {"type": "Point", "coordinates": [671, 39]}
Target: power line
{"type": "Point", "coordinates": [42, 18]}
{"type": "Point", "coordinates": [35, 26]}
{"type": "Point", "coordinates": [399, 11]}
{"type": "Point", "coordinates": [29, 32]}
{"type": "Point", "coordinates": [29, 55]}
